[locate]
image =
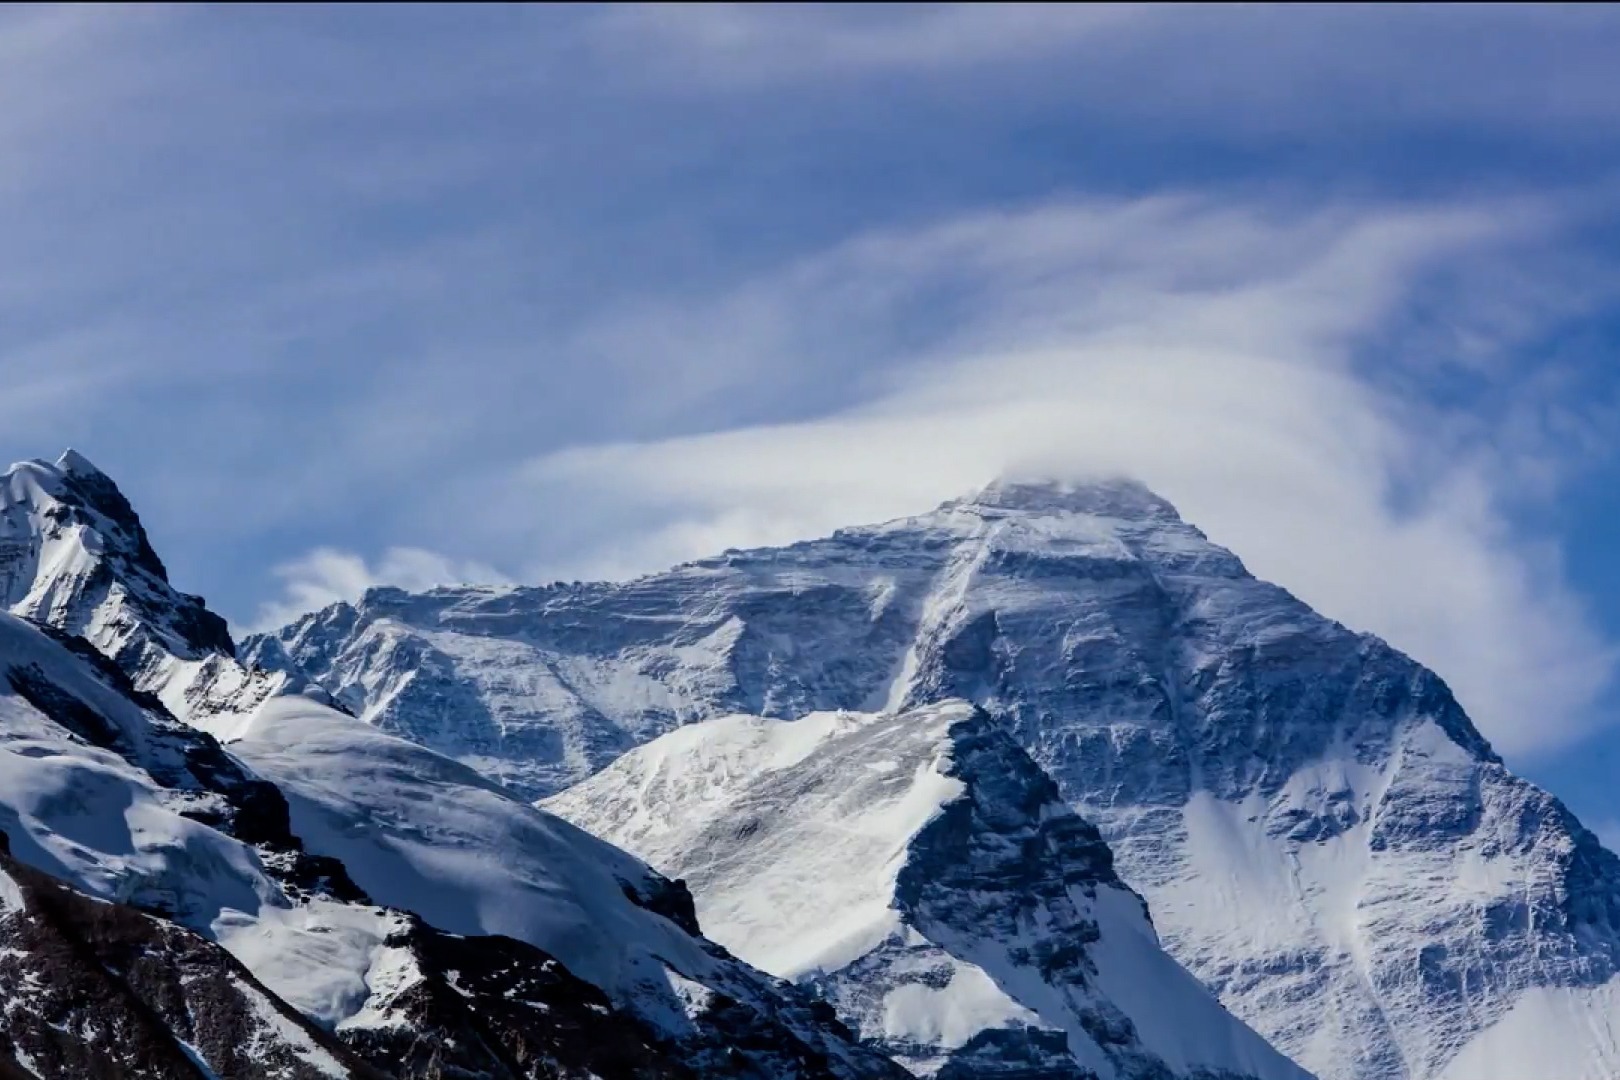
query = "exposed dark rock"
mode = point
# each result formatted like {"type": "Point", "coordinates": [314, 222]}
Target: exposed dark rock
{"type": "Point", "coordinates": [93, 989]}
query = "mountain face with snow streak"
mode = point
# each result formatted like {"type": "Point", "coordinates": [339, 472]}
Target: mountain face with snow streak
{"type": "Point", "coordinates": [488, 939]}
{"type": "Point", "coordinates": [924, 875]}
{"type": "Point", "coordinates": [1322, 836]}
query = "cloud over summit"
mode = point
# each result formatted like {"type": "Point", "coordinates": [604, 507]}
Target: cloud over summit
{"type": "Point", "coordinates": [1214, 350]}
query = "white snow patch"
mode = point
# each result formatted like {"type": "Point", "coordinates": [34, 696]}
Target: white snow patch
{"type": "Point", "coordinates": [1550, 1033]}
{"type": "Point", "coordinates": [11, 897]}
{"type": "Point", "coordinates": [315, 956]}
{"type": "Point", "coordinates": [951, 1015]}
{"type": "Point", "coordinates": [393, 971]}
{"type": "Point", "coordinates": [694, 997]}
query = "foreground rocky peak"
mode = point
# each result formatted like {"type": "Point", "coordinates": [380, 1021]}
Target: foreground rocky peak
{"type": "Point", "coordinates": [74, 555]}
{"type": "Point", "coordinates": [73, 552]}
{"type": "Point", "coordinates": [923, 875]}
{"type": "Point", "coordinates": [1323, 836]}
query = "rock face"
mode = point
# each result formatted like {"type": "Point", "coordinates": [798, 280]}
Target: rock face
{"type": "Point", "coordinates": [923, 874]}
{"type": "Point", "coordinates": [90, 988]}
{"type": "Point", "coordinates": [1323, 837]}
{"type": "Point", "coordinates": [159, 842]}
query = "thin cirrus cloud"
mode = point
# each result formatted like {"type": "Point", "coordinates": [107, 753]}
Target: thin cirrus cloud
{"type": "Point", "coordinates": [1245, 68]}
{"type": "Point", "coordinates": [1213, 350]}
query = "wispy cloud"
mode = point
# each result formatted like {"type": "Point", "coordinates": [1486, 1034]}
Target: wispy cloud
{"type": "Point", "coordinates": [1249, 68]}
{"type": "Point", "coordinates": [1213, 350]}
{"type": "Point", "coordinates": [327, 576]}
{"type": "Point", "coordinates": [736, 40]}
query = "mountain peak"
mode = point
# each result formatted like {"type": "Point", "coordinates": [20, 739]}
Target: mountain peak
{"type": "Point", "coordinates": [80, 559]}
{"type": "Point", "coordinates": [1115, 497]}
{"type": "Point", "coordinates": [73, 463]}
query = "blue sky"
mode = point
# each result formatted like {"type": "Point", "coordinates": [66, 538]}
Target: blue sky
{"type": "Point", "coordinates": [352, 295]}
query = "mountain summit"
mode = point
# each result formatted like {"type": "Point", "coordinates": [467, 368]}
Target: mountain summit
{"type": "Point", "coordinates": [1118, 497]}
{"type": "Point", "coordinates": [74, 555]}
{"type": "Point", "coordinates": [73, 551]}
{"type": "Point", "coordinates": [1322, 835]}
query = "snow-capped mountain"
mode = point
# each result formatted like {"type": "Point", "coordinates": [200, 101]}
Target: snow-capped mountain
{"type": "Point", "coordinates": [1322, 835]}
{"type": "Point", "coordinates": [73, 555]}
{"type": "Point", "coordinates": [924, 875]}
{"type": "Point", "coordinates": [486, 938]}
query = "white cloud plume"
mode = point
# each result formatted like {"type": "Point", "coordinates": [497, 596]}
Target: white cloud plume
{"type": "Point", "coordinates": [1211, 350]}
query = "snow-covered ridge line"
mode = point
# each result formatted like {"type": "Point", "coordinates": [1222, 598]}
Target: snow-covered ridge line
{"type": "Point", "coordinates": [74, 555]}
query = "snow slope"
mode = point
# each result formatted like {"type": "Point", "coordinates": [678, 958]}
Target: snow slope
{"type": "Point", "coordinates": [1322, 835]}
{"type": "Point", "coordinates": [417, 830]}
{"type": "Point", "coordinates": [105, 796]}
{"type": "Point", "coordinates": [116, 802]}
{"type": "Point", "coordinates": [922, 873]}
